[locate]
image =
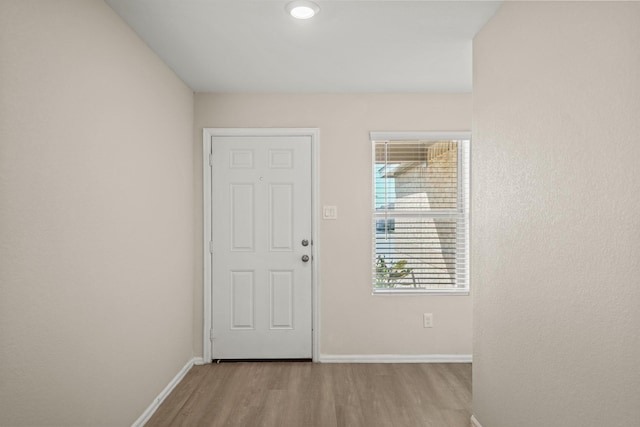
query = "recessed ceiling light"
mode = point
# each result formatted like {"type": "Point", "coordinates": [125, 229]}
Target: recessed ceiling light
{"type": "Point", "coordinates": [302, 9]}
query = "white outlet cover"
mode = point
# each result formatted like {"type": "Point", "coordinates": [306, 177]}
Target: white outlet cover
{"type": "Point", "coordinates": [428, 320]}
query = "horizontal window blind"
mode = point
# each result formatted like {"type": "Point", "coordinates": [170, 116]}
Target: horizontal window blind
{"type": "Point", "coordinates": [420, 215]}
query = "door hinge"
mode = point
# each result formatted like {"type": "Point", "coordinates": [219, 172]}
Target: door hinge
{"type": "Point", "coordinates": [210, 159]}
{"type": "Point", "coordinates": [211, 246]}
{"type": "Point", "coordinates": [211, 335]}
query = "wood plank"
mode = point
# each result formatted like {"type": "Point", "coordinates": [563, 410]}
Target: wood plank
{"type": "Point", "coordinates": [293, 394]}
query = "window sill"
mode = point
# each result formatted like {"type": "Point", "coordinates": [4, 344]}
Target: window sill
{"type": "Point", "coordinates": [434, 292]}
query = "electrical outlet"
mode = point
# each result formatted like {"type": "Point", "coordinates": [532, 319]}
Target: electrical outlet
{"type": "Point", "coordinates": [427, 320]}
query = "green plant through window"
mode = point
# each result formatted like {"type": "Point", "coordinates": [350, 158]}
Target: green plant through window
{"type": "Point", "coordinates": [389, 273]}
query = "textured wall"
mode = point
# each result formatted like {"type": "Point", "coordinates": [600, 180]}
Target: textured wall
{"type": "Point", "coordinates": [555, 226]}
{"type": "Point", "coordinates": [352, 320]}
{"type": "Point", "coordinates": [96, 217]}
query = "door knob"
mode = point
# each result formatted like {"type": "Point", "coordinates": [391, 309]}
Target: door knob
{"type": "Point", "coordinates": [305, 258]}
{"type": "Point", "coordinates": [305, 242]}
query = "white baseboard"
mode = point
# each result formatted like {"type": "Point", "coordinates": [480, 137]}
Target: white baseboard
{"type": "Point", "coordinates": [395, 358]}
{"type": "Point", "coordinates": [475, 422]}
{"type": "Point", "coordinates": [141, 421]}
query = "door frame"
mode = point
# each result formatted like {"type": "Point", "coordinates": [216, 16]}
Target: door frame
{"type": "Point", "coordinates": [207, 135]}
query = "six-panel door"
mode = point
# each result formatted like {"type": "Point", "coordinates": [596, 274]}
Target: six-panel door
{"type": "Point", "coordinates": [261, 209]}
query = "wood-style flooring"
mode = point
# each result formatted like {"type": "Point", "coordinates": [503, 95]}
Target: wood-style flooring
{"type": "Point", "coordinates": [301, 394]}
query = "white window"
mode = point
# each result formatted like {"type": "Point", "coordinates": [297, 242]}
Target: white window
{"type": "Point", "coordinates": [420, 212]}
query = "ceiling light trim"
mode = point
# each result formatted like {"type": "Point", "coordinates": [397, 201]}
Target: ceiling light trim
{"type": "Point", "coordinates": [302, 9]}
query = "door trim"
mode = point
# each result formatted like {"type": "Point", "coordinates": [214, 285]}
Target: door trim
{"type": "Point", "coordinates": [207, 135]}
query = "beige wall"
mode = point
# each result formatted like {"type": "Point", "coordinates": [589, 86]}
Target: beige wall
{"type": "Point", "coordinates": [352, 320]}
{"type": "Point", "coordinates": [96, 217]}
{"type": "Point", "coordinates": [556, 231]}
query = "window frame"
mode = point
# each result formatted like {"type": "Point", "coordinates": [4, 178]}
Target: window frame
{"type": "Point", "coordinates": [463, 208]}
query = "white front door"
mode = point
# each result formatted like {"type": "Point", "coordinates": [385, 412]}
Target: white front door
{"type": "Point", "coordinates": [261, 233]}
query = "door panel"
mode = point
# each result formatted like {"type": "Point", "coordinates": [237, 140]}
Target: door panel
{"type": "Point", "coordinates": [281, 288]}
{"type": "Point", "coordinates": [261, 212]}
{"type": "Point", "coordinates": [242, 217]}
{"type": "Point", "coordinates": [242, 285]}
{"type": "Point", "coordinates": [281, 217]}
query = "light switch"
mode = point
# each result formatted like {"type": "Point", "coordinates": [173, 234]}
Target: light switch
{"type": "Point", "coordinates": [329, 212]}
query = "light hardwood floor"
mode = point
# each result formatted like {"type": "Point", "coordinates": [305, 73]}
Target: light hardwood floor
{"type": "Point", "coordinates": [301, 394]}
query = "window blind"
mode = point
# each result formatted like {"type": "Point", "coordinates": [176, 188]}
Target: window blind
{"type": "Point", "coordinates": [420, 225]}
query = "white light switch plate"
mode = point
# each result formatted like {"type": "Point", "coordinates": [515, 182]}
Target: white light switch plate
{"type": "Point", "coordinates": [329, 212]}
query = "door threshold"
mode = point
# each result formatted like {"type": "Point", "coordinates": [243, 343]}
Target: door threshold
{"type": "Point", "coordinates": [259, 360]}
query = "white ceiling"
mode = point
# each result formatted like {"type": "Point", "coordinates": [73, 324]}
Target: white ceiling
{"type": "Point", "coordinates": [350, 46]}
